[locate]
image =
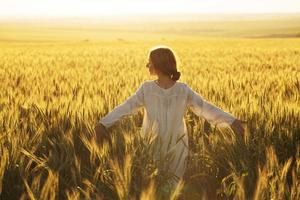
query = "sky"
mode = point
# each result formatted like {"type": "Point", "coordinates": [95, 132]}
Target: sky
{"type": "Point", "coordinates": [19, 8]}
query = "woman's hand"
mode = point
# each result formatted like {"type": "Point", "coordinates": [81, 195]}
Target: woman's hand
{"type": "Point", "coordinates": [102, 134]}
{"type": "Point", "coordinates": [239, 126]}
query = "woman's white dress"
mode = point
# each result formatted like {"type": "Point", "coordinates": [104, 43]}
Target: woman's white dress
{"type": "Point", "coordinates": [164, 115]}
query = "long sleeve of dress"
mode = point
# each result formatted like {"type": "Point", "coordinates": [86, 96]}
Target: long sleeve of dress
{"type": "Point", "coordinates": [130, 106]}
{"type": "Point", "coordinates": [209, 111]}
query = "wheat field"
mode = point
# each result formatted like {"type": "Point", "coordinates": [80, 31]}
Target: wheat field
{"type": "Point", "coordinates": [54, 89]}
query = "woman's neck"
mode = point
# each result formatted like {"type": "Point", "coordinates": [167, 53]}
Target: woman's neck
{"type": "Point", "coordinates": [165, 81]}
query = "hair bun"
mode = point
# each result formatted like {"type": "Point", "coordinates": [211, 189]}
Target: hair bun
{"type": "Point", "coordinates": [175, 75]}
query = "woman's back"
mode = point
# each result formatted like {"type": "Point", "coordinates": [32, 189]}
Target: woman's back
{"type": "Point", "coordinates": [164, 108]}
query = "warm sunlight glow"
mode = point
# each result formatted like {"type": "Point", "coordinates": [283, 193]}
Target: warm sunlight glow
{"type": "Point", "coordinates": [131, 7]}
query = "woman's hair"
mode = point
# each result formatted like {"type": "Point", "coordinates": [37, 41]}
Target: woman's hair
{"type": "Point", "coordinates": [163, 59]}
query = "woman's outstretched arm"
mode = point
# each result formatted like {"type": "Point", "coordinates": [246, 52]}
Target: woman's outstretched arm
{"type": "Point", "coordinates": [211, 112]}
{"type": "Point", "coordinates": [130, 106]}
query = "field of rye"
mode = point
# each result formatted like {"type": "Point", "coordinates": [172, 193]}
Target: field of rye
{"type": "Point", "coordinates": [53, 94]}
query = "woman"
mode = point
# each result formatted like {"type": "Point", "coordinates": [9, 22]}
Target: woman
{"type": "Point", "coordinates": [165, 101]}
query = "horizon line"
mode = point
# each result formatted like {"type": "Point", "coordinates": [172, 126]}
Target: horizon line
{"type": "Point", "coordinates": [149, 14]}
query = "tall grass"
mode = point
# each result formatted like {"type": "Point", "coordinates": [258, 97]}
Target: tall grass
{"type": "Point", "coordinates": [53, 95]}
